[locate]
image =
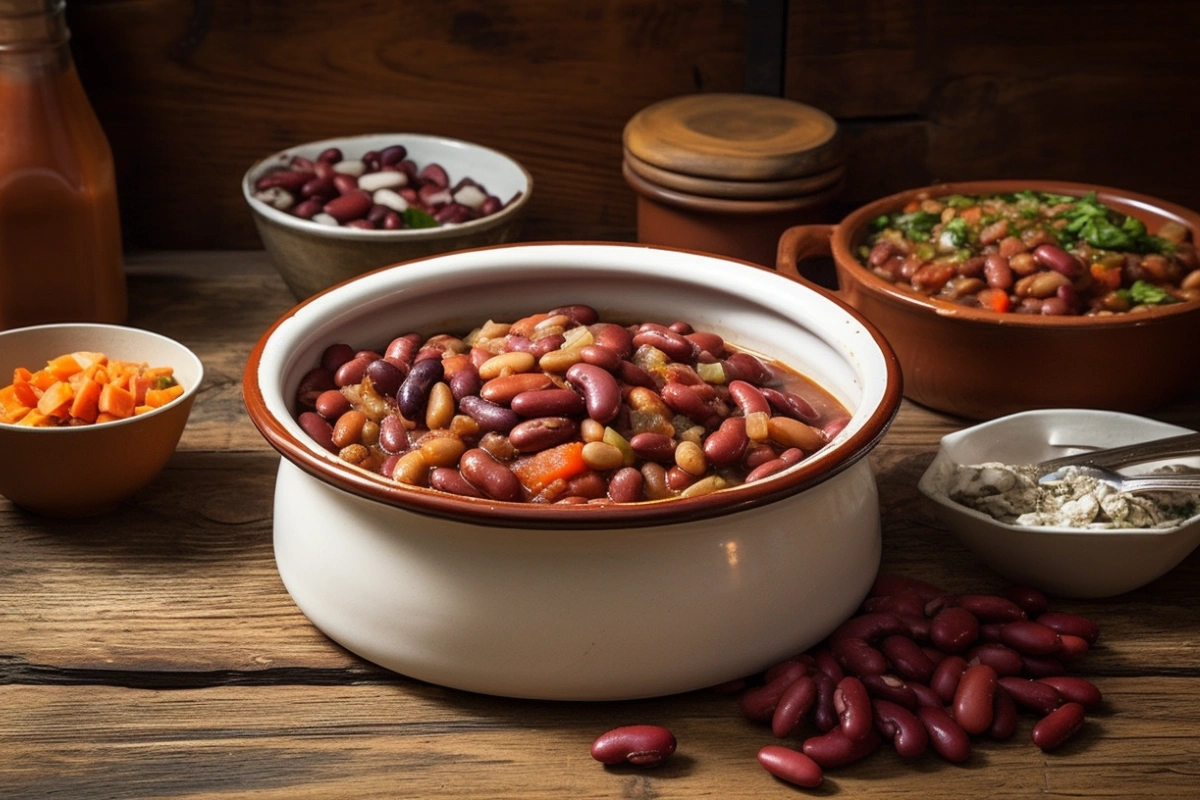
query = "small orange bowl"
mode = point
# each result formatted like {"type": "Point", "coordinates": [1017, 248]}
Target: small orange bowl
{"type": "Point", "coordinates": [84, 470]}
{"type": "Point", "coordinates": [981, 364]}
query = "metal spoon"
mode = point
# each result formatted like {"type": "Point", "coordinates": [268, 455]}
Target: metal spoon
{"type": "Point", "coordinates": [1187, 444]}
{"type": "Point", "coordinates": [1130, 484]}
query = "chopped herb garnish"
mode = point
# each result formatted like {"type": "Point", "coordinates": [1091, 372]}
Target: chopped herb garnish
{"type": "Point", "coordinates": [416, 218]}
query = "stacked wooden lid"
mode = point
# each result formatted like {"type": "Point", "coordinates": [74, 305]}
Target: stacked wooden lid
{"type": "Point", "coordinates": [740, 148]}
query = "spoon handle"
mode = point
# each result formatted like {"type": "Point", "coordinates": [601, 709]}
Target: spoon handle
{"type": "Point", "coordinates": [1187, 444]}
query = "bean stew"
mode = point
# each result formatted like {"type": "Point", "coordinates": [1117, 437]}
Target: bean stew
{"type": "Point", "coordinates": [1032, 253]}
{"type": "Point", "coordinates": [563, 407]}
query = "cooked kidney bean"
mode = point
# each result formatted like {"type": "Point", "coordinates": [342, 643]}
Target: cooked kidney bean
{"type": "Point", "coordinates": [900, 726]}
{"type": "Point", "coordinates": [708, 425]}
{"type": "Point", "coordinates": [1074, 690]}
{"type": "Point", "coordinates": [379, 190]}
{"type": "Point", "coordinates": [1032, 252]}
{"type": "Point", "coordinates": [640, 745]}
{"type": "Point", "coordinates": [1072, 624]}
{"type": "Point", "coordinates": [1031, 694]}
{"type": "Point", "coordinates": [793, 706]}
{"type": "Point", "coordinates": [791, 765]}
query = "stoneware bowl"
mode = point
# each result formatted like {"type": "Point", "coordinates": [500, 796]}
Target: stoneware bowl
{"type": "Point", "coordinates": [311, 256]}
{"type": "Point", "coordinates": [578, 602]}
{"type": "Point", "coordinates": [981, 364]}
{"type": "Point", "coordinates": [1068, 562]}
{"type": "Point", "coordinates": [90, 469]}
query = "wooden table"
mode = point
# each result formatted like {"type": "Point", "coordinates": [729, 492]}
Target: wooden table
{"type": "Point", "coordinates": [154, 653]}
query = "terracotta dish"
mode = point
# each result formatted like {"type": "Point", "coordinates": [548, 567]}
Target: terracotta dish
{"type": "Point", "coordinates": [981, 364]}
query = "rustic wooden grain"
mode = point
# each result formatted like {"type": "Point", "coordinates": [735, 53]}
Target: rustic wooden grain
{"type": "Point", "coordinates": [191, 94]}
{"type": "Point", "coordinates": [155, 653]}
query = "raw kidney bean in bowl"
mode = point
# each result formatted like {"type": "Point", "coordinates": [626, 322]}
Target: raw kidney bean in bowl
{"type": "Point", "coordinates": [381, 189]}
{"type": "Point", "coordinates": [562, 406]}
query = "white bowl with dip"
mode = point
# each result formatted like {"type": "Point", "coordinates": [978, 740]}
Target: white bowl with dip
{"type": "Point", "coordinates": [1078, 562]}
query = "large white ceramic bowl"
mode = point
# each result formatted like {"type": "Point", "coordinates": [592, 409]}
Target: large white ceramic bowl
{"type": "Point", "coordinates": [579, 602]}
{"type": "Point", "coordinates": [1068, 562]}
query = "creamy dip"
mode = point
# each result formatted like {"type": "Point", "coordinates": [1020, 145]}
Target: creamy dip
{"type": "Point", "coordinates": [1012, 494]}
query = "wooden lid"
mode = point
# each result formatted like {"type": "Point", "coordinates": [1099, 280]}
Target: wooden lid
{"type": "Point", "coordinates": [735, 137]}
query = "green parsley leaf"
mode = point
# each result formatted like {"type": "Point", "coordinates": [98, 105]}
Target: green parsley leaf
{"type": "Point", "coordinates": [916, 226]}
{"type": "Point", "coordinates": [416, 218]}
{"type": "Point", "coordinates": [1147, 294]}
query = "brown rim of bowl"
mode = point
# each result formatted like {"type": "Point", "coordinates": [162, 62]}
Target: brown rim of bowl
{"type": "Point", "coordinates": [721, 205]}
{"type": "Point", "coordinates": [851, 230]}
{"type": "Point", "coordinates": [482, 511]}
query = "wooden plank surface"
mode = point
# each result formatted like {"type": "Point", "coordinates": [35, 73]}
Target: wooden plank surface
{"type": "Point", "coordinates": [191, 94]}
{"type": "Point", "coordinates": [154, 652]}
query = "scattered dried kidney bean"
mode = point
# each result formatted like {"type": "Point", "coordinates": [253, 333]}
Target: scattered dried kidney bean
{"type": "Point", "coordinates": [1004, 660]}
{"type": "Point", "coordinates": [640, 745]}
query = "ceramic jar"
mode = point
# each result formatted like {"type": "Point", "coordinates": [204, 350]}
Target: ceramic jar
{"type": "Point", "coordinates": [728, 173]}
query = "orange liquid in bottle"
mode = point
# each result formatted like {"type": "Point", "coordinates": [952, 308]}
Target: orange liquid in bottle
{"type": "Point", "coordinates": [60, 237]}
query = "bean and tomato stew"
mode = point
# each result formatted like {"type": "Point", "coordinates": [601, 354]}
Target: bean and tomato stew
{"type": "Point", "coordinates": [1033, 253]}
{"type": "Point", "coordinates": [562, 407]}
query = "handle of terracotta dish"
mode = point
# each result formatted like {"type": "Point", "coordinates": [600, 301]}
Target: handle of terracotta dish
{"type": "Point", "coordinates": [800, 243]}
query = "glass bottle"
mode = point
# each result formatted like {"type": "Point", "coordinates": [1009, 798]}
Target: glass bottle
{"type": "Point", "coordinates": [60, 233]}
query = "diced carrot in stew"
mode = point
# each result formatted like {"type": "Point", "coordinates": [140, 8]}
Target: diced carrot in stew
{"type": "Point", "coordinates": [556, 463]}
{"type": "Point", "coordinates": [157, 398]}
{"type": "Point", "coordinates": [63, 367]}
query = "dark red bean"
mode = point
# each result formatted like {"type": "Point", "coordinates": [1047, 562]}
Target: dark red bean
{"type": "Point", "coordinates": [853, 707]}
{"type": "Point", "coordinates": [1073, 624]}
{"type": "Point", "coordinates": [578, 313]}
{"type": "Point", "coordinates": [1071, 647]}
{"type": "Point", "coordinates": [790, 404]}
{"type": "Point", "coordinates": [1030, 638]}
{"type": "Point", "coordinates": [393, 435]}
{"type": "Point", "coordinates": [727, 444]}
{"type": "Point", "coordinates": [825, 661]}
{"type": "Point", "coordinates": [870, 627]}
{"type": "Point", "coordinates": [615, 337]}
{"type": "Point", "coordinates": [548, 403]}
{"type": "Point", "coordinates": [487, 415]}
{"type": "Point", "coordinates": [677, 347]}
{"type": "Point", "coordinates": [542, 433]}
{"type": "Point", "coordinates": [653, 446]}
{"type": "Point", "coordinates": [946, 737]}
{"type": "Point", "coordinates": [626, 485]}
{"type": "Point", "coordinates": [684, 400]}
{"type": "Point", "coordinates": [759, 704]}
{"type": "Point", "coordinates": [319, 429]}
{"type": "Point", "coordinates": [745, 367]}
{"type": "Point", "coordinates": [990, 608]}
{"type": "Point", "coordinates": [946, 676]}
{"type": "Point", "coordinates": [331, 404]}
{"type": "Point", "coordinates": [857, 657]}
{"type": "Point", "coordinates": [1059, 260]}
{"type": "Point", "coordinates": [600, 356]}
{"type": "Point", "coordinates": [999, 657]}
{"type": "Point", "coordinates": [602, 395]}
{"type": "Point", "coordinates": [791, 765]}
{"type": "Point", "coordinates": [1075, 690]}
{"type": "Point", "coordinates": [835, 749]}
{"type": "Point", "coordinates": [1029, 599]}
{"type": "Point", "coordinates": [640, 745]}
{"type": "Point", "coordinates": [489, 476]}
{"type": "Point", "coordinates": [974, 699]}
{"type": "Point", "coordinates": [413, 393]}
{"type": "Point", "coordinates": [925, 696]}
{"type": "Point", "coordinates": [748, 398]}
{"type": "Point", "coordinates": [794, 706]}
{"type": "Point", "coordinates": [1059, 725]}
{"type": "Point", "coordinates": [900, 726]}
{"type": "Point", "coordinates": [352, 371]}
{"type": "Point", "coordinates": [800, 665]}
{"type": "Point", "coordinates": [1004, 716]}
{"type": "Point", "coordinates": [907, 659]}
{"type": "Point", "coordinates": [335, 355]}
{"type": "Point", "coordinates": [449, 479]}
{"type": "Point", "coordinates": [1041, 666]}
{"type": "Point", "coordinates": [385, 377]}
{"type": "Point", "coordinates": [954, 629]}
{"type": "Point", "coordinates": [890, 688]}
{"type": "Point", "coordinates": [824, 714]}
{"type": "Point", "coordinates": [1032, 694]}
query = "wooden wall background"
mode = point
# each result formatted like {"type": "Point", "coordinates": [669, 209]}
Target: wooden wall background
{"type": "Point", "coordinates": [191, 92]}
